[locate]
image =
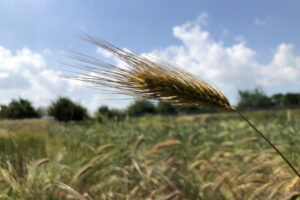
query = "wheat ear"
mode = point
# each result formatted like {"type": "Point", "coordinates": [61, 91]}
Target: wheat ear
{"type": "Point", "coordinates": [154, 79]}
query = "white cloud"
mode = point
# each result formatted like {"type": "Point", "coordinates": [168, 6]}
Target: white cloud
{"type": "Point", "coordinates": [112, 59]}
{"type": "Point", "coordinates": [26, 74]}
{"type": "Point", "coordinates": [284, 68]}
{"type": "Point", "coordinates": [104, 53]}
{"type": "Point", "coordinates": [231, 67]}
{"type": "Point", "coordinates": [260, 22]}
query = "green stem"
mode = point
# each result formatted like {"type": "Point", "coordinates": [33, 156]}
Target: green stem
{"type": "Point", "coordinates": [269, 142]}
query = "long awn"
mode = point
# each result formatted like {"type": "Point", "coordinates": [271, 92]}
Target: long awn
{"type": "Point", "coordinates": [154, 79]}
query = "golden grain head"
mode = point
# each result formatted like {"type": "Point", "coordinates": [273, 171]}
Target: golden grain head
{"type": "Point", "coordinates": [147, 78]}
{"type": "Point", "coordinates": [81, 172]}
{"type": "Point", "coordinates": [167, 143]}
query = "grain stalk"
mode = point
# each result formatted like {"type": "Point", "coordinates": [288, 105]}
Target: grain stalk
{"type": "Point", "coordinates": [150, 78]}
{"type": "Point", "coordinates": [269, 142]}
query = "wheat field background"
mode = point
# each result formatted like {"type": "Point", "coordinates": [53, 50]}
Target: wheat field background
{"type": "Point", "coordinates": [211, 156]}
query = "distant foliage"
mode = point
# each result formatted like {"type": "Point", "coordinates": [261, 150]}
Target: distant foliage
{"type": "Point", "coordinates": [63, 109]}
{"type": "Point", "coordinates": [254, 99]}
{"type": "Point", "coordinates": [165, 108]}
{"type": "Point", "coordinates": [104, 110]}
{"type": "Point", "coordinates": [276, 99]}
{"type": "Point", "coordinates": [290, 99]}
{"type": "Point", "coordinates": [258, 99]}
{"type": "Point", "coordinates": [105, 113]}
{"type": "Point", "coordinates": [189, 110]}
{"type": "Point", "coordinates": [140, 107]}
{"type": "Point", "coordinates": [18, 109]}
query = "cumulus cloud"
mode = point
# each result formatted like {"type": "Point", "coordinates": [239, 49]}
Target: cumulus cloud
{"type": "Point", "coordinates": [231, 67]}
{"type": "Point", "coordinates": [228, 67]}
{"type": "Point", "coordinates": [283, 69]}
{"type": "Point", "coordinates": [25, 74]}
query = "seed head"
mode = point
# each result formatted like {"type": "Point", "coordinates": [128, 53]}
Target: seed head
{"type": "Point", "coordinates": [148, 78]}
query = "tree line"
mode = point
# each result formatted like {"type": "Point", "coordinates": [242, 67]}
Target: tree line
{"type": "Point", "coordinates": [256, 98]}
{"type": "Point", "coordinates": [64, 109]}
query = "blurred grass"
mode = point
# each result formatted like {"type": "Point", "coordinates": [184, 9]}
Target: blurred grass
{"type": "Point", "coordinates": [211, 156]}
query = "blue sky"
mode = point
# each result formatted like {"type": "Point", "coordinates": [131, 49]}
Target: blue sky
{"type": "Point", "coordinates": [235, 45]}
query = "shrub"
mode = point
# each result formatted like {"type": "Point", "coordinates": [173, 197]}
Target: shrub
{"type": "Point", "coordinates": [165, 108]}
{"type": "Point", "coordinates": [276, 99]}
{"type": "Point", "coordinates": [18, 109]}
{"type": "Point", "coordinates": [63, 109]}
{"type": "Point", "coordinates": [140, 107]}
{"type": "Point", "coordinates": [254, 99]}
{"type": "Point", "coordinates": [290, 99]}
{"type": "Point", "coordinates": [190, 110]}
{"type": "Point", "coordinates": [104, 113]}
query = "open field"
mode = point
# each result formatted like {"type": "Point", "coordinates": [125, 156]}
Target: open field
{"type": "Point", "coordinates": [214, 156]}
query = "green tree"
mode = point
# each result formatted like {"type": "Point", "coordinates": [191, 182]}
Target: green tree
{"type": "Point", "coordinates": [188, 109]}
{"type": "Point", "coordinates": [165, 108]}
{"type": "Point", "coordinates": [291, 99]}
{"type": "Point", "coordinates": [254, 99]}
{"type": "Point", "coordinates": [140, 107]}
{"type": "Point", "coordinates": [18, 109]}
{"type": "Point", "coordinates": [276, 99]}
{"type": "Point", "coordinates": [3, 111]}
{"type": "Point", "coordinates": [63, 109]}
{"type": "Point", "coordinates": [104, 113]}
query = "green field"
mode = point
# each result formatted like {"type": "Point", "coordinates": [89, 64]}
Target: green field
{"type": "Point", "coordinates": [213, 156]}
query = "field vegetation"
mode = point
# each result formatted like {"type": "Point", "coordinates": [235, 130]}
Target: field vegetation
{"type": "Point", "coordinates": [209, 156]}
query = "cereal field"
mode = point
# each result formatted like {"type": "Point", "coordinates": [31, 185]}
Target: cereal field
{"type": "Point", "coordinates": [211, 156]}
